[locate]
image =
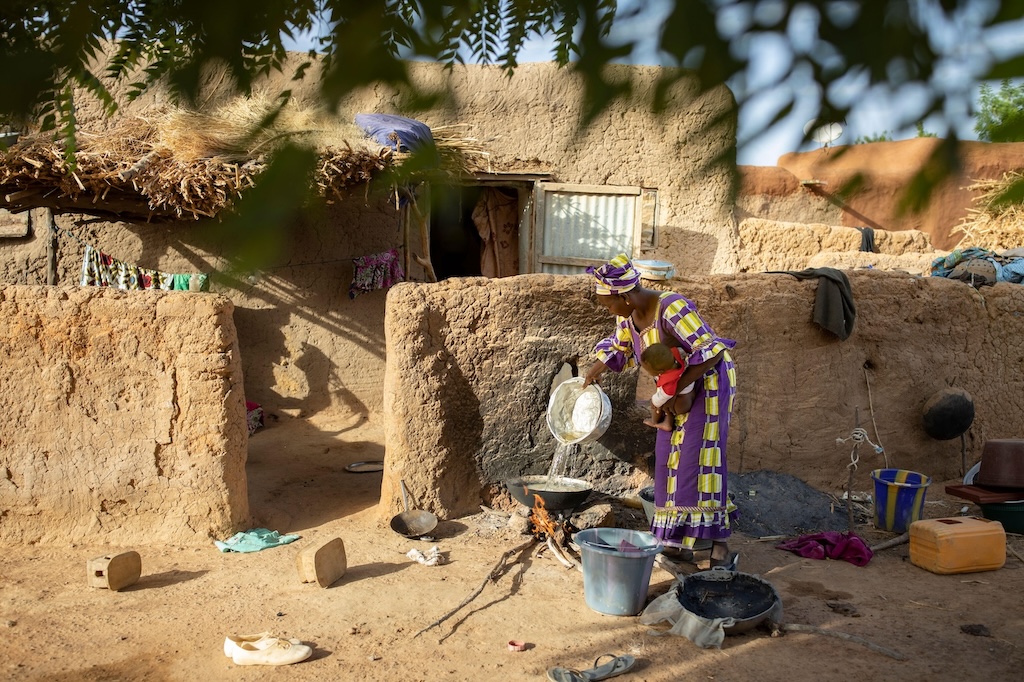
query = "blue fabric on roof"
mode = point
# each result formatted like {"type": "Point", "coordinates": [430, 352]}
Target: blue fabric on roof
{"type": "Point", "coordinates": [398, 132]}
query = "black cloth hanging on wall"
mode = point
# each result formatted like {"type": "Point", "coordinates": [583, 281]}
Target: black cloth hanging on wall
{"type": "Point", "coordinates": [834, 308]}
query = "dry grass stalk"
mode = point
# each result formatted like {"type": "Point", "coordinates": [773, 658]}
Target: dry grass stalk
{"type": "Point", "coordinates": [183, 164]}
{"type": "Point", "coordinates": [990, 224]}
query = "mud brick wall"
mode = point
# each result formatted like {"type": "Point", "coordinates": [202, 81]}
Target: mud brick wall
{"type": "Point", "coordinates": [470, 363]}
{"type": "Point", "coordinates": [123, 417]}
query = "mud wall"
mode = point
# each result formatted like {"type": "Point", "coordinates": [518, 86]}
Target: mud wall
{"type": "Point", "coordinates": [806, 187]}
{"type": "Point", "coordinates": [124, 420]}
{"type": "Point", "coordinates": [470, 363]}
{"type": "Point", "coordinates": [768, 245]}
{"type": "Point", "coordinates": [308, 350]}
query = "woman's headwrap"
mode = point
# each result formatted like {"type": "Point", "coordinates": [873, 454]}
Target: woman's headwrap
{"type": "Point", "coordinates": [617, 276]}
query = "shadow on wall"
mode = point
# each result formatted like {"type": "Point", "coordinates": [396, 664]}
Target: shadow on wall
{"type": "Point", "coordinates": [295, 314]}
{"type": "Point", "coordinates": [303, 379]}
{"type": "Point", "coordinates": [463, 425]}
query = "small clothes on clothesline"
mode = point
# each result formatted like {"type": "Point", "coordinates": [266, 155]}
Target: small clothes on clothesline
{"type": "Point", "coordinates": [101, 270]}
{"type": "Point", "coordinates": [376, 271]}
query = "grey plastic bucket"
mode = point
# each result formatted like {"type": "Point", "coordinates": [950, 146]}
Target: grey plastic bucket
{"type": "Point", "coordinates": [617, 565]}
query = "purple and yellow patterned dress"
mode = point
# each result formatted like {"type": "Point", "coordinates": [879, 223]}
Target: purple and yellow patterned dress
{"type": "Point", "coordinates": [690, 481]}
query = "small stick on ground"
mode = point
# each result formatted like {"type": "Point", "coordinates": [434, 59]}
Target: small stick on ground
{"type": "Point", "coordinates": [669, 566]}
{"type": "Point", "coordinates": [560, 555]}
{"type": "Point", "coordinates": [1014, 552]}
{"type": "Point", "coordinates": [798, 627]}
{"type": "Point", "coordinates": [494, 574]}
{"type": "Point", "coordinates": [894, 542]}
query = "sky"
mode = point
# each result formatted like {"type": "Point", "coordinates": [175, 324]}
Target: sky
{"type": "Point", "coordinates": [965, 53]}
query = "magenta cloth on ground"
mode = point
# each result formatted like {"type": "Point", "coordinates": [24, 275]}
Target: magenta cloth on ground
{"type": "Point", "coordinates": [830, 545]}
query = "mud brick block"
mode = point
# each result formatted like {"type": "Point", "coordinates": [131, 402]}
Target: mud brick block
{"type": "Point", "coordinates": [114, 571]}
{"type": "Point", "coordinates": [323, 563]}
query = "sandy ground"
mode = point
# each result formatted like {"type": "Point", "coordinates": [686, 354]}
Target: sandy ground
{"type": "Point", "coordinates": [171, 625]}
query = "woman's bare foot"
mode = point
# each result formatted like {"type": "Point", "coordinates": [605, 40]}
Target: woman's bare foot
{"type": "Point", "coordinates": [721, 556]}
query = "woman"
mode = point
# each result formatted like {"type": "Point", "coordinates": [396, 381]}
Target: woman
{"type": "Point", "coordinates": [690, 481]}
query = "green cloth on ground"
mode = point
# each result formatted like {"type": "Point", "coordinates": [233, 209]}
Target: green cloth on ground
{"type": "Point", "coordinates": [254, 540]}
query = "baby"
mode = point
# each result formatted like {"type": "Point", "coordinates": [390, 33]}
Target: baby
{"type": "Point", "coordinates": [666, 365]}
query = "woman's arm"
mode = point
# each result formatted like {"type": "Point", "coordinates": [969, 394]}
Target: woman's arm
{"type": "Point", "coordinates": [594, 373]}
{"type": "Point", "coordinates": [691, 374]}
{"type": "Point", "coordinates": [614, 353]}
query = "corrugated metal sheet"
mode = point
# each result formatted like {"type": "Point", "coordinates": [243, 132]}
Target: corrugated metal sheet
{"type": "Point", "coordinates": [597, 226]}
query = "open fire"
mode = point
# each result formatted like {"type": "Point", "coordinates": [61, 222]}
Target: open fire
{"type": "Point", "coordinates": [556, 532]}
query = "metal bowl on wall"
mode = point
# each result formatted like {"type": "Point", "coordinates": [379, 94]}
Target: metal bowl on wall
{"type": "Point", "coordinates": [556, 492]}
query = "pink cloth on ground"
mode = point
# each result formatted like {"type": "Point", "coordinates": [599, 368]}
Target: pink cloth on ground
{"type": "Point", "coordinates": [830, 545]}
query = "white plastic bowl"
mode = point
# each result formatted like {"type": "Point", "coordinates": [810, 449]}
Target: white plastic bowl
{"type": "Point", "coordinates": [654, 269]}
{"type": "Point", "coordinates": [577, 414]}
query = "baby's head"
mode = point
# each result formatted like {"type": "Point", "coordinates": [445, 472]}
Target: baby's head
{"type": "Point", "coordinates": [658, 358]}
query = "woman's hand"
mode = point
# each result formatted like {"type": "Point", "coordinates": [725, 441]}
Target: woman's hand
{"type": "Point", "coordinates": [671, 406]}
{"type": "Point", "coordinates": [593, 375]}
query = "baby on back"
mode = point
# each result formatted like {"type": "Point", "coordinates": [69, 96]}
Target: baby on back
{"type": "Point", "coordinates": [666, 364]}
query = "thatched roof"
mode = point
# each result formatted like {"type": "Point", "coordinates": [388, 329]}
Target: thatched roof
{"type": "Point", "coordinates": [179, 164]}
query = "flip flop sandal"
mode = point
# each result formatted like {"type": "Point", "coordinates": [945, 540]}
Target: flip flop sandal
{"type": "Point", "coordinates": [616, 666]}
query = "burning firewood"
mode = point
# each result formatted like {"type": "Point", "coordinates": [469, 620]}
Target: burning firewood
{"type": "Point", "coordinates": [545, 527]}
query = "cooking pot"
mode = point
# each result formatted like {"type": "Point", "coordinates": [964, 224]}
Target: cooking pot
{"type": "Point", "coordinates": [412, 523]}
{"type": "Point", "coordinates": [557, 493]}
{"type": "Point", "coordinates": [721, 593]}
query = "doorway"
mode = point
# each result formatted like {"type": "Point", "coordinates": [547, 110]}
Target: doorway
{"type": "Point", "coordinates": [475, 230]}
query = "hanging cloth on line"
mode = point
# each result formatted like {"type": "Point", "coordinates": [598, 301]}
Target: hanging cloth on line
{"type": "Point", "coordinates": [376, 271]}
{"type": "Point", "coordinates": [101, 270]}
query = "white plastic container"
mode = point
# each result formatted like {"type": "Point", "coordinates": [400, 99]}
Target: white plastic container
{"type": "Point", "coordinates": [654, 269]}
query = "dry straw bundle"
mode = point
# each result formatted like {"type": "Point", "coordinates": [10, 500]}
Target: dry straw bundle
{"type": "Point", "coordinates": [179, 163]}
{"type": "Point", "coordinates": [994, 224]}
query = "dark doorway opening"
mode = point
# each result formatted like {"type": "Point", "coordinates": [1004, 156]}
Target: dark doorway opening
{"type": "Point", "coordinates": [474, 230]}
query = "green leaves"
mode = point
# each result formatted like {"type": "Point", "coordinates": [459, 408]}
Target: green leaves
{"type": "Point", "coordinates": [49, 49]}
{"type": "Point", "coordinates": [1000, 115]}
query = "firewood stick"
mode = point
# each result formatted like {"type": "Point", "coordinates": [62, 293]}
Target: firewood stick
{"type": "Point", "coordinates": [891, 543]}
{"type": "Point", "coordinates": [562, 559]}
{"type": "Point", "coordinates": [798, 627]}
{"type": "Point", "coordinates": [493, 574]}
{"type": "Point", "coordinates": [1014, 552]}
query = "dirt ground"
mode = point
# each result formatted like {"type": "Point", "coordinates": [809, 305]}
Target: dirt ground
{"type": "Point", "coordinates": [171, 624]}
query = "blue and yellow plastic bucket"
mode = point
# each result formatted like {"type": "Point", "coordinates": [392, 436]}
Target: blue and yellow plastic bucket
{"type": "Point", "coordinates": [899, 498]}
